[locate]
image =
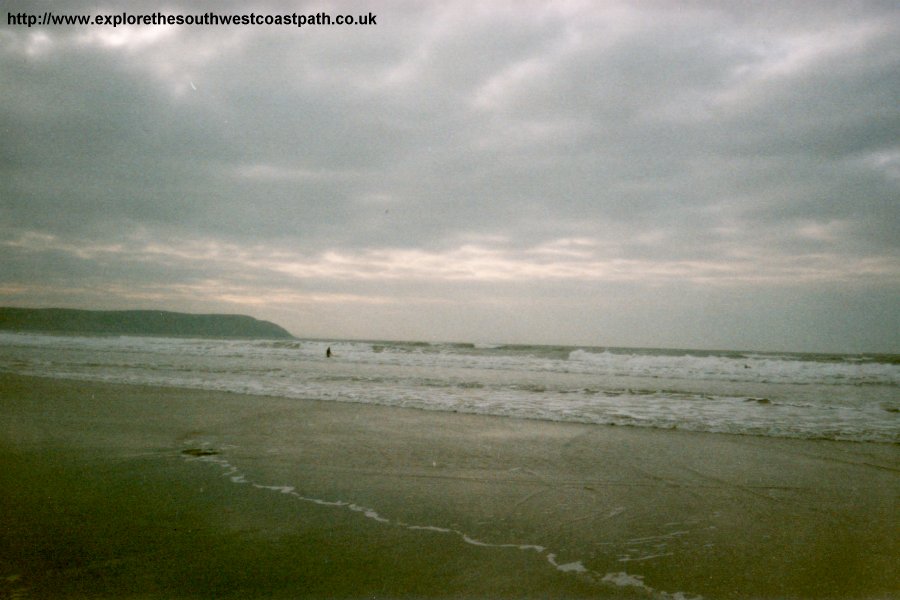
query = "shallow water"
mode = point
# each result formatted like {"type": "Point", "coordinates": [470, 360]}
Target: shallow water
{"type": "Point", "coordinates": [853, 397]}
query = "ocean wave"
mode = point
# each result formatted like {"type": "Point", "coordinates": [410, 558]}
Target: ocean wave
{"type": "Point", "coordinates": [730, 392]}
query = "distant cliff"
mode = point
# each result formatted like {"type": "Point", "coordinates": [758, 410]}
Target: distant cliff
{"type": "Point", "coordinates": [138, 322]}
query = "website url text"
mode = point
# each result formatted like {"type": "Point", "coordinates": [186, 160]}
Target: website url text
{"type": "Point", "coordinates": [158, 18]}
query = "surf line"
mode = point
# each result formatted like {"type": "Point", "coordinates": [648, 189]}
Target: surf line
{"type": "Point", "coordinates": [620, 579]}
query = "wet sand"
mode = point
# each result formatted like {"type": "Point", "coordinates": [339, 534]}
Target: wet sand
{"type": "Point", "coordinates": [116, 491]}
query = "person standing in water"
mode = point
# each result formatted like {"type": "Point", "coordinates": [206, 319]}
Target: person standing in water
{"type": "Point", "coordinates": [328, 352]}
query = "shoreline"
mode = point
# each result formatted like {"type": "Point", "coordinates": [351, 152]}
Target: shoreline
{"type": "Point", "coordinates": [456, 411]}
{"type": "Point", "coordinates": [305, 498]}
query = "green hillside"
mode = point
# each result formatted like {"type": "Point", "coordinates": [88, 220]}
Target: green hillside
{"type": "Point", "coordinates": [138, 322]}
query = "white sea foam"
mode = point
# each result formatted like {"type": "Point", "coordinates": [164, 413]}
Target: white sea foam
{"type": "Point", "coordinates": [621, 579]}
{"type": "Point", "coordinates": [782, 395]}
{"type": "Point", "coordinates": [645, 557]}
{"type": "Point", "coordinates": [570, 567]}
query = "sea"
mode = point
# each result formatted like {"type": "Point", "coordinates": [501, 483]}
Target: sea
{"type": "Point", "coordinates": [852, 397]}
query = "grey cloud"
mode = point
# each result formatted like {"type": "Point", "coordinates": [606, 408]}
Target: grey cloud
{"type": "Point", "coordinates": [693, 132]}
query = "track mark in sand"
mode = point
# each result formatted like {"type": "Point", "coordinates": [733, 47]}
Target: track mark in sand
{"type": "Point", "coordinates": [525, 499]}
{"type": "Point", "coordinates": [753, 490]}
{"type": "Point", "coordinates": [199, 452]}
{"type": "Point", "coordinates": [576, 567]}
{"type": "Point", "coordinates": [593, 515]}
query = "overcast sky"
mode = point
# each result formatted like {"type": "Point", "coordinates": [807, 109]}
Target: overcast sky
{"type": "Point", "coordinates": [665, 174]}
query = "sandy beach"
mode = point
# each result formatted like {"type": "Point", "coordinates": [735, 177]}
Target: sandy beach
{"type": "Point", "coordinates": [115, 491]}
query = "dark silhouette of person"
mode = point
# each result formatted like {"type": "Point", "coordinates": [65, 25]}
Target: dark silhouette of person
{"type": "Point", "coordinates": [328, 352]}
